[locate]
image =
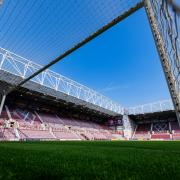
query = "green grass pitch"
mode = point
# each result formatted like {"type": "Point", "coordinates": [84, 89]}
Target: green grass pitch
{"type": "Point", "coordinates": [90, 160]}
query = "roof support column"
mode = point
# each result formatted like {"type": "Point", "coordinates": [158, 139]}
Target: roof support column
{"type": "Point", "coordinates": [3, 98]}
{"type": "Point", "coordinates": [163, 54]}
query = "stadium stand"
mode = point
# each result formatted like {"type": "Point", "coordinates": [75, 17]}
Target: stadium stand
{"type": "Point", "coordinates": [160, 136]}
{"type": "Point", "coordinates": [22, 124]}
{"type": "Point", "coordinates": [32, 116]}
{"type": "Point", "coordinates": [175, 130]}
{"type": "Point", "coordinates": [161, 131]}
{"type": "Point", "coordinates": [7, 134]}
{"type": "Point", "coordinates": [142, 131]}
{"type": "Point", "coordinates": [35, 134]}
{"type": "Point", "coordinates": [175, 127]}
{"type": "Point", "coordinates": [158, 125]}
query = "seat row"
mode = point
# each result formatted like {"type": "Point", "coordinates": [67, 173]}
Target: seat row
{"type": "Point", "coordinates": [19, 124]}
{"type": "Point", "coordinates": [157, 131]}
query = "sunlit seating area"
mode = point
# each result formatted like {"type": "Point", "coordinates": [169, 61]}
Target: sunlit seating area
{"type": "Point", "coordinates": [161, 131]}
{"type": "Point", "coordinates": [22, 124]}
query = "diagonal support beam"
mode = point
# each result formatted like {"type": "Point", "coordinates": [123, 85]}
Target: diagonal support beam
{"type": "Point", "coordinates": [77, 46]}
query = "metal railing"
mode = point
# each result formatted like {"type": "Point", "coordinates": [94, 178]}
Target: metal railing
{"type": "Point", "coordinates": [159, 106]}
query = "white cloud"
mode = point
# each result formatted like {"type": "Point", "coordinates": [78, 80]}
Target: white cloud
{"type": "Point", "coordinates": [112, 87]}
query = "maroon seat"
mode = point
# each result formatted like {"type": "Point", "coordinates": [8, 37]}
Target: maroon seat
{"type": "Point", "coordinates": [163, 136]}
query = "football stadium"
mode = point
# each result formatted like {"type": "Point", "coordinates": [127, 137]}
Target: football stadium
{"type": "Point", "coordinates": [53, 127]}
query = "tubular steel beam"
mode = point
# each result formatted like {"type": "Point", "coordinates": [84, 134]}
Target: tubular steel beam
{"type": "Point", "coordinates": [2, 103]}
{"type": "Point", "coordinates": [163, 57]}
{"type": "Point", "coordinates": [174, 5]}
{"type": "Point", "coordinates": [77, 46]}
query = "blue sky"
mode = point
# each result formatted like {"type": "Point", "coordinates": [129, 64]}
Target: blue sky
{"type": "Point", "coordinates": [122, 63]}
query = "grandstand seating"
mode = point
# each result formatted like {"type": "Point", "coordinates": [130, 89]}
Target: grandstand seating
{"type": "Point", "coordinates": [175, 127]}
{"type": "Point", "coordinates": [35, 134]}
{"type": "Point", "coordinates": [70, 122]}
{"type": "Point", "coordinates": [176, 136]}
{"type": "Point", "coordinates": [66, 135]}
{"type": "Point", "coordinates": [142, 131]}
{"type": "Point", "coordinates": [161, 131]}
{"type": "Point", "coordinates": [84, 124]}
{"type": "Point", "coordinates": [7, 134]}
{"type": "Point", "coordinates": [160, 127]}
{"type": "Point", "coordinates": [46, 126]}
{"type": "Point", "coordinates": [163, 136]}
{"type": "Point", "coordinates": [17, 114]}
{"type": "Point", "coordinates": [108, 135]}
{"type": "Point", "coordinates": [143, 128]}
{"type": "Point", "coordinates": [175, 130]}
{"type": "Point", "coordinates": [49, 118]}
{"type": "Point", "coordinates": [87, 135]}
{"type": "Point", "coordinates": [4, 114]}
{"type": "Point", "coordinates": [18, 124]}
{"type": "Point", "coordinates": [1, 122]}
{"type": "Point", "coordinates": [142, 136]}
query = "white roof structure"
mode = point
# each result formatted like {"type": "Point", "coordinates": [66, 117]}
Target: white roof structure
{"type": "Point", "coordinates": [22, 67]}
{"type": "Point", "coordinates": [159, 106]}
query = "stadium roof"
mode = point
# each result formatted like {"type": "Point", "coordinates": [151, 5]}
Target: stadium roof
{"type": "Point", "coordinates": [14, 68]}
{"type": "Point", "coordinates": [47, 31]}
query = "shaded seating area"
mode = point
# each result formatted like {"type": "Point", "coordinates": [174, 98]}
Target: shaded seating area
{"type": "Point", "coordinates": [23, 125]}
{"type": "Point", "coordinates": [161, 131]}
{"type": "Point", "coordinates": [35, 134]}
{"type": "Point", "coordinates": [175, 130]}
{"type": "Point", "coordinates": [161, 136]}
{"type": "Point", "coordinates": [142, 131]}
